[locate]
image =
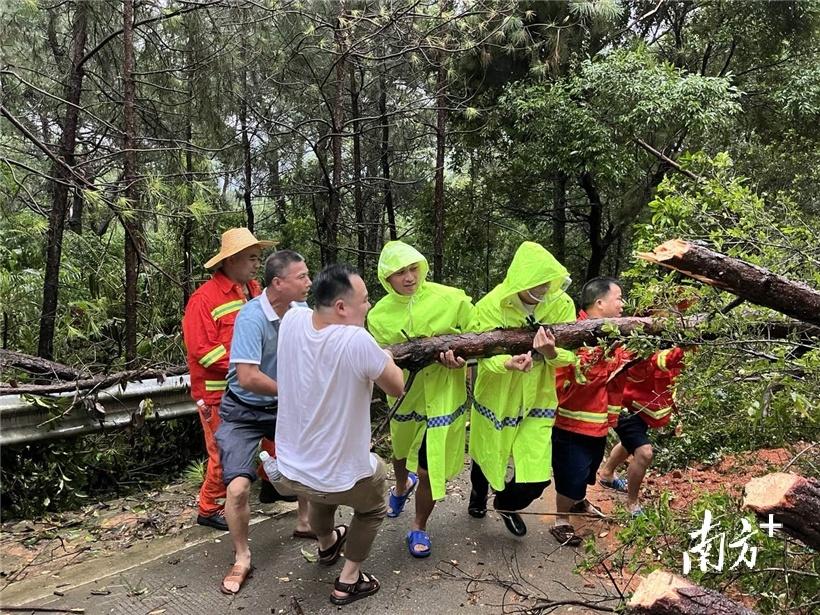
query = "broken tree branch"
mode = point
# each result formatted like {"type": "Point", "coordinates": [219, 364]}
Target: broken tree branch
{"type": "Point", "coordinates": [750, 282]}
{"type": "Point", "coordinates": [38, 366]}
{"type": "Point", "coordinates": [97, 382]}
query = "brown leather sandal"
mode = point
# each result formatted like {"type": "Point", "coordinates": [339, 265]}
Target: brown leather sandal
{"type": "Point", "coordinates": [238, 574]}
{"type": "Point", "coordinates": [367, 585]}
{"type": "Point", "coordinates": [331, 555]}
{"type": "Point", "coordinates": [565, 534]}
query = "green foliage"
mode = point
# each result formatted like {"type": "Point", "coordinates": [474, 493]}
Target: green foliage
{"type": "Point", "coordinates": [784, 579]}
{"type": "Point", "coordinates": [765, 392]}
{"type": "Point", "coordinates": [64, 474]}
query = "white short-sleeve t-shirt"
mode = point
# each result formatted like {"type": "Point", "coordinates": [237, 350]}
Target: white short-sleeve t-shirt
{"type": "Point", "coordinates": [325, 380]}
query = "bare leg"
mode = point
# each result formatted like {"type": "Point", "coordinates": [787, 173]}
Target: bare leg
{"type": "Point", "coordinates": [302, 510]}
{"type": "Point", "coordinates": [641, 459]}
{"type": "Point", "coordinates": [237, 514]}
{"type": "Point", "coordinates": [402, 474]}
{"type": "Point", "coordinates": [424, 501]}
{"type": "Point", "coordinates": [563, 505]}
{"type": "Point", "coordinates": [616, 457]}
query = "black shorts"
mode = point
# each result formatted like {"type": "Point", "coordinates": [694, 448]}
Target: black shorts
{"type": "Point", "coordinates": [575, 462]}
{"type": "Point", "coordinates": [423, 453]}
{"type": "Point", "coordinates": [238, 436]}
{"type": "Point", "coordinates": [632, 430]}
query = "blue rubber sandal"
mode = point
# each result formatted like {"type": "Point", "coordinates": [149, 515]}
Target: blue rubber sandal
{"type": "Point", "coordinates": [415, 538]}
{"type": "Point", "coordinates": [616, 484]}
{"type": "Point", "coordinates": [396, 502]}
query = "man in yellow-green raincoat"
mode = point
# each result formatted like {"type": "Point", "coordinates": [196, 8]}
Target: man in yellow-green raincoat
{"type": "Point", "coordinates": [428, 430]}
{"type": "Point", "coordinates": [515, 399]}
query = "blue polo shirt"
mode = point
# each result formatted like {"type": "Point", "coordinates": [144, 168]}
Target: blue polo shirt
{"type": "Point", "coordinates": [255, 335]}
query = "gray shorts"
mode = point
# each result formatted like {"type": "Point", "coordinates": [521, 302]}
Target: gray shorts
{"type": "Point", "coordinates": [238, 436]}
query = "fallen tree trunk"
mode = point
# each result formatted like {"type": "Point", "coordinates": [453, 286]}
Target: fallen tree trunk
{"type": "Point", "coordinates": [750, 282]}
{"type": "Point", "coordinates": [97, 382]}
{"type": "Point", "coordinates": [38, 366]}
{"type": "Point", "coordinates": [664, 593]}
{"type": "Point", "coordinates": [793, 501]}
{"type": "Point", "coordinates": [419, 352]}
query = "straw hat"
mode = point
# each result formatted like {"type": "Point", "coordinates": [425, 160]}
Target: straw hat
{"type": "Point", "coordinates": [234, 241]}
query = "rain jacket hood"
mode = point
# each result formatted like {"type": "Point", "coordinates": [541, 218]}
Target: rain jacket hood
{"type": "Point", "coordinates": [398, 255]}
{"type": "Point", "coordinates": [532, 265]}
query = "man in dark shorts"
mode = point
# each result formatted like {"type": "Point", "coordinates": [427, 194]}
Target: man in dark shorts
{"type": "Point", "coordinates": [582, 423]}
{"type": "Point", "coordinates": [248, 409]}
{"type": "Point", "coordinates": [647, 395]}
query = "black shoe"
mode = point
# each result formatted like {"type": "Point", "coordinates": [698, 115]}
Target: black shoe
{"type": "Point", "coordinates": [514, 523]}
{"type": "Point", "coordinates": [268, 494]}
{"type": "Point", "coordinates": [478, 505]}
{"type": "Point", "coordinates": [216, 520]}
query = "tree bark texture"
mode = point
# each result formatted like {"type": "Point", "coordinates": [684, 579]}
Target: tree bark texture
{"type": "Point", "coordinates": [664, 593]}
{"type": "Point", "coordinates": [358, 203]}
{"type": "Point", "coordinates": [596, 243]}
{"type": "Point", "coordinates": [750, 282]}
{"type": "Point", "coordinates": [438, 190]}
{"type": "Point", "coordinates": [38, 366]}
{"type": "Point", "coordinates": [793, 501]}
{"type": "Point", "coordinates": [385, 163]}
{"type": "Point", "coordinates": [559, 218]}
{"type": "Point", "coordinates": [417, 353]}
{"type": "Point", "coordinates": [59, 203]}
{"type": "Point", "coordinates": [131, 221]}
{"type": "Point", "coordinates": [101, 381]}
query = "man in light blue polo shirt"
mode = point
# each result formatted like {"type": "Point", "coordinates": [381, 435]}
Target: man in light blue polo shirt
{"type": "Point", "coordinates": [248, 409]}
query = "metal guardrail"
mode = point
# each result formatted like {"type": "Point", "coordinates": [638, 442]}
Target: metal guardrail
{"type": "Point", "coordinates": [22, 422]}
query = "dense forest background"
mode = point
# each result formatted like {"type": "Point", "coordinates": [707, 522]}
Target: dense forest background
{"type": "Point", "coordinates": [134, 132]}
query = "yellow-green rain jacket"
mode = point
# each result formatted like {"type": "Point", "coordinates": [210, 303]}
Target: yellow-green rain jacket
{"type": "Point", "coordinates": [513, 411]}
{"type": "Point", "coordinates": [436, 404]}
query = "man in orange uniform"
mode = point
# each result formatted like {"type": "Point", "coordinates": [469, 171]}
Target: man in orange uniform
{"type": "Point", "coordinates": [647, 395]}
{"type": "Point", "coordinates": [582, 423]}
{"type": "Point", "coordinates": [207, 328]}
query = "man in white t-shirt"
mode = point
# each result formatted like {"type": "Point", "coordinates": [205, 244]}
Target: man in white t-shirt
{"type": "Point", "coordinates": [328, 363]}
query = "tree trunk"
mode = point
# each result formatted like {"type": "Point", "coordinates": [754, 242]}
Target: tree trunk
{"type": "Point", "coordinates": [246, 147]}
{"type": "Point", "coordinates": [188, 223]}
{"type": "Point", "coordinates": [750, 282]}
{"type": "Point", "coordinates": [130, 218]}
{"type": "Point", "coordinates": [59, 204]}
{"type": "Point", "coordinates": [358, 204]}
{"type": "Point", "coordinates": [597, 249]}
{"type": "Point", "coordinates": [385, 160]}
{"type": "Point", "coordinates": [330, 223]}
{"type": "Point", "coordinates": [438, 191]}
{"type": "Point", "coordinates": [36, 365]}
{"type": "Point", "coordinates": [417, 353]}
{"type": "Point", "coordinates": [793, 501]}
{"type": "Point", "coordinates": [559, 218]}
{"type": "Point", "coordinates": [664, 593]}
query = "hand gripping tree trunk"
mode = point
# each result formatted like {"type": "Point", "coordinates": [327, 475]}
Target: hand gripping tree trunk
{"type": "Point", "coordinates": [60, 192]}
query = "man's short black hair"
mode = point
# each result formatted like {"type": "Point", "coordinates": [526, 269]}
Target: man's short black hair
{"type": "Point", "coordinates": [596, 288]}
{"type": "Point", "coordinates": [278, 262]}
{"type": "Point", "coordinates": [331, 283]}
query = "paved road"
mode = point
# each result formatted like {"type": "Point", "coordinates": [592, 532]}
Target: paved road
{"type": "Point", "coordinates": [184, 580]}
